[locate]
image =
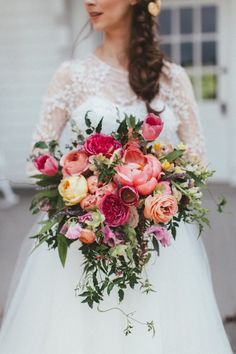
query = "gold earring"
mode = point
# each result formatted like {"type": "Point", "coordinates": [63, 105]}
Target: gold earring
{"type": "Point", "coordinates": [154, 7]}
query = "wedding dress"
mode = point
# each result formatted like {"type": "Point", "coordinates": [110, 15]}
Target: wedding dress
{"type": "Point", "coordinates": [43, 315]}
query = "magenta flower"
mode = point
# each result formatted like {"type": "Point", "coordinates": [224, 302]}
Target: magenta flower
{"type": "Point", "coordinates": [100, 143]}
{"type": "Point", "coordinates": [115, 212]}
{"type": "Point", "coordinates": [160, 233]}
{"type": "Point", "coordinates": [46, 164]}
{"type": "Point", "coordinates": [152, 127]}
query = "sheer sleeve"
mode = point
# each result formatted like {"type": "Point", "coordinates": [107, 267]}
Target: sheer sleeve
{"type": "Point", "coordinates": [55, 111]}
{"type": "Point", "coordinates": [185, 107]}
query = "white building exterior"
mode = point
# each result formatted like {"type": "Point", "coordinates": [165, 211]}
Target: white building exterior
{"type": "Point", "coordinates": [36, 36]}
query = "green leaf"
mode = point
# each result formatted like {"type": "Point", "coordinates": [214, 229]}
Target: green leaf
{"type": "Point", "coordinates": [172, 156]}
{"type": "Point", "coordinates": [221, 204]}
{"type": "Point", "coordinates": [110, 287]}
{"type": "Point", "coordinates": [41, 144]}
{"type": "Point", "coordinates": [131, 121]}
{"type": "Point", "coordinates": [156, 245]}
{"type": "Point", "coordinates": [89, 131]}
{"type": "Point", "coordinates": [87, 120]}
{"type": "Point", "coordinates": [121, 294]}
{"type": "Point", "coordinates": [62, 248]}
{"type": "Point", "coordinates": [99, 126]}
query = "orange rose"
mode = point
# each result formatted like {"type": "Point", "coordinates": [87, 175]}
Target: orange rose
{"type": "Point", "coordinates": [160, 208]}
{"type": "Point", "coordinates": [87, 236]}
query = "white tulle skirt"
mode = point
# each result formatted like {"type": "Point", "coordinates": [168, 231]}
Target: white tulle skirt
{"type": "Point", "coordinates": [44, 316]}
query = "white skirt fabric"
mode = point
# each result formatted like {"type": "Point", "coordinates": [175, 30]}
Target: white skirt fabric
{"type": "Point", "coordinates": [44, 315]}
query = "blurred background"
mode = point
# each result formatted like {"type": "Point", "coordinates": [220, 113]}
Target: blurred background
{"type": "Point", "coordinates": [36, 36]}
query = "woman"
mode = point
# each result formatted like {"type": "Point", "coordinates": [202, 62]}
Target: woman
{"type": "Point", "coordinates": [126, 73]}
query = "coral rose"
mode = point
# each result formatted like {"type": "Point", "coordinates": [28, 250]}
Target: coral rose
{"type": "Point", "coordinates": [74, 163]}
{"type": "Point", "coordinates": [101, 144]}
{"type": "Point", "coordinates": [73, 189]}
{"type": "Point", "coordinates": [115, 212]}
{"type": "Point", "coordinates": [152, 127]}
{"type": "Point", "coordinates": [87, 236]}
{"type": "Point", "coordinates": [46, 164]}
{"type": "Point", "coordinates": [160, 208]}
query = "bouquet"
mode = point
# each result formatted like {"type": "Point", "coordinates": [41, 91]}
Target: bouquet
{"type": "Point", "coordinates": [121, 197]}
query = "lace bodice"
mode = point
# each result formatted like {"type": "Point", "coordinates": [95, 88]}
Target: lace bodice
{"type": "Point", "coordinates": [79, 85]}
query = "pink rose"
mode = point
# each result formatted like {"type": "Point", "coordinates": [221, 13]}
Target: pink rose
{"type": "Point", "coordinates": [160, 233]}
{"type": "Point", "coordinates": [152, 127]}
{"type": "Point", "coordinates": [101, 143]}
{"type": "Point", "coordinates": [73, 232]}
{"type": "Point", "coordinates": [46, 164]}
{"type": "Point", "coordinates": [115, 212]}
{"type": "Point", "coordinates": [161, 208]}
{"type": "Point", "coordinates": [74, 163]}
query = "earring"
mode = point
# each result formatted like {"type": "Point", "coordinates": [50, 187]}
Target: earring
{"type": "Point", "coordinates": [154, 8]}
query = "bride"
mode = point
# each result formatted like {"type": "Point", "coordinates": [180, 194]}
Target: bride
{"type": "Point", "coordinates": [126, 73]}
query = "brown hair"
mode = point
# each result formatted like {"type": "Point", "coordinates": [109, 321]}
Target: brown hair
{"type": "Point", "coordinates": [145, 55]}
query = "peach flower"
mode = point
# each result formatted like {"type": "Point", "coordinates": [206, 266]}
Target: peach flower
{"type": "Point", "coordinates": [74, 163]}
{"type": "Point", "coordinates": [160, 208]}
{"type": "Point", "coordinates": [87, 236]}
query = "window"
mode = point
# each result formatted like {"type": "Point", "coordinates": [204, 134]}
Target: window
{"type": "Point", "coordinates": [190, 37]}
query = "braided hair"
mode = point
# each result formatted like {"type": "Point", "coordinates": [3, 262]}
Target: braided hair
{"type": "Point", "coordinates": [145, 55]}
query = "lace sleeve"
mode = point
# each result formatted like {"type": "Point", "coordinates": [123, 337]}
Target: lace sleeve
{"type": "Point", "coordinates": [55, 111]}
{"type": "Point", "coordinates": [185, 107]}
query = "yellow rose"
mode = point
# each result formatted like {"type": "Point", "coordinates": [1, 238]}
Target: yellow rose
{"type": "Point", "coordinates": [73, 189]}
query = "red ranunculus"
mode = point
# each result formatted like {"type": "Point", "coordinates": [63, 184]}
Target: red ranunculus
{"type": "Point", "coordinates": [101, 143]}
{"type": "Point", "coordinates": [115, 212]}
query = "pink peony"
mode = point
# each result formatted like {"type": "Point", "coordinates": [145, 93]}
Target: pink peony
{"type": "Point", "coordinates": [115, 212]}
{"type": "Point", "coordinates": [74, 163]}
{"type": "Point", "coordinates": [73, 232]}
{"type": "Point", "coordinates": [152, 127]}
{"type": "Point", "coordinates": [160, 233]}
{"type": "Point", "coordinates": [101, 143]}
{"type": "Point", "coordinates": [141, 172]}
{"type": "Point", "coordinates": [46, 164]}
